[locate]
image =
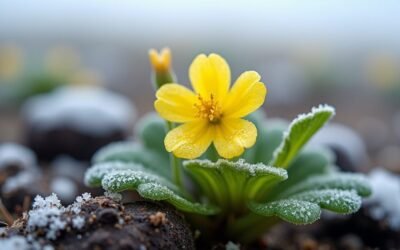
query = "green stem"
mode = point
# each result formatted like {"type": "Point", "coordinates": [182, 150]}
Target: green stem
{"type": "Point", "coordinates": [175, 163]}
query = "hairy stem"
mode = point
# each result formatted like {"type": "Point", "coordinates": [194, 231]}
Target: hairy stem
{"type": "Point", "coordinates": [175, 163]}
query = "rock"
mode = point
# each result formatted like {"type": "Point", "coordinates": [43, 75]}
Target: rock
{"type": "Point", "coordinates": [60, 122]}
{"type": "Point", "coordinates": [347, 144]}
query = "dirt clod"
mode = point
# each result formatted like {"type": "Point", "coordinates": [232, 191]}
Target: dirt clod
{"type": "Point", "coordinates": [158, 219]}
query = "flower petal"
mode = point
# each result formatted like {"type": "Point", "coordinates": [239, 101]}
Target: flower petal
{"type": "Point", "coordinates": [189, 140]}
{"type": "Point", "coordinates": [210, 75]}
{"type": "Point", "coordinates": [246, 95]}
{"type": "Point", "coordinates": [175, 103]}
{"type": "Point", "coordinates": [233, 135]}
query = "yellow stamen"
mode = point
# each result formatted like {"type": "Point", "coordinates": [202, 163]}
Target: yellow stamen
{"type": "Point", "coordinates": [208, 109]}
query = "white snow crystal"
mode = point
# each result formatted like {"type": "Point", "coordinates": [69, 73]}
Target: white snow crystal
{"type": "Point", "coordinates": [46, 214]}
{"type": "Point", "coordinates": [385, 199]}
{"type": "Point", "coordinates": [114, 196]}
{"type": "Point", "coordinates": [78, 222]}
{"type": "Point", "coordinates": [14, 243]}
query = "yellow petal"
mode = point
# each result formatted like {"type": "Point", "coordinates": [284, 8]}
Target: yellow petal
{"type": "Point", "coordinates": [160, 61]}
{"type": "Point", "coordinates": [246, 95]}
{"type": "Point", "coordinates": [189, 140]}
{"type": "Point", "coordinates": [210, 75]}
{"type": "Point", "coordinates": [233, 135]}
{"type": "Point", "coordinates": [175, 103]}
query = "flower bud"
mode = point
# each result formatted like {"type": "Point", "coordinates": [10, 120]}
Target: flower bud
{"type": "Point", "coordinates": [161, 65]}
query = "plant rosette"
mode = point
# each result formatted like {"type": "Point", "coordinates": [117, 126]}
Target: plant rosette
{"type": "Point", "coordinates": [210, 154]}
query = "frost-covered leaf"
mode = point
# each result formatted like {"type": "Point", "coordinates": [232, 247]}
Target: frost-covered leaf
{"type": "Point", "coordinates": [341, 181]}
{"type": "Point", "coordinates": [299, 132]}
{"type": "Point", "coordinates": [117, 181]}
{"type": "Point", "coordinates": [153, 187]}
{"type": "Point", "coordinates": [305, 207]}
{"type": "Point", "coordinates": [156, 191]}
{"type": "Point", "coordinates": [335, 200]}
{"type": "Point", "coordinates": [293, 211]}
{"type": "Point", "coordinates": [230, 184]}
{"type": "Point", "coordinates": [306, 164]}
{"type": "Point", "coordinates": [134, 152]}
{"type": "Point", "coordinates": [95, 174]}
{"type": "Point", "coordinates": [151, 131]}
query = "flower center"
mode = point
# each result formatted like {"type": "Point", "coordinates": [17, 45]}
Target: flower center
{"type": "Point", "coordinates": [208, 109]}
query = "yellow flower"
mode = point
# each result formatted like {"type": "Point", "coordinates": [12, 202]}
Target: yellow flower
{"type": "Point", "coordinates": [213, 112]}
{"type": "Point", "coordinates": [161, 62]}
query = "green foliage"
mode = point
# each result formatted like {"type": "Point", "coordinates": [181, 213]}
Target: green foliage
{"type": "Point", "coordinates": [120, 176]}
{"type": "Point", "coordinates": [300, 131]}
{"type": "Point", "coordinates": [274, 181]}
{"type": "Point", "coordinates": [132, 152]}
{"type": "Point", "coordinates": [230, 184]}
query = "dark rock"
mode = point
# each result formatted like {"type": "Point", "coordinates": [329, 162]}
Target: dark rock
{"type": "Point", "coordinates": [59, 123]}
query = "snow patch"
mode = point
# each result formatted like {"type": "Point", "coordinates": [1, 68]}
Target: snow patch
{"type": "Point", "coordinates": [385, 199]}
{"type": "Point", "coordinates": [46, 214]}
{"type": "Point", "coordinates": [90, 110]}
{"type": "Point", "coordinates": [14, 154]}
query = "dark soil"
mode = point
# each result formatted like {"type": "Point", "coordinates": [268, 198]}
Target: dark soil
{"type": "Point", "coordinates": [110, 225]}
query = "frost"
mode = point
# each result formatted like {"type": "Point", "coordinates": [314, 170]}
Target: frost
{"type": "Point", "coordinates": [291, 210]}
{"type": "Point", "coordinates": [90, 110]}
{"type": "Point", "coordinates": [94, 174]}
{"type": "Point", "coordinates": [46, 215]}
{"type": "Point", "coordinates": [120, 180]}
{"type": "Point", "coordinates": [300, 130]}
{"type": "Point", "coordinates": [78, 222]}
{"type": "Point", "coordinates": [76, 206]}
{"type": "Point", "coordinates": [114, 196]}
{"type": "Point", "coordinates": [14, 243]}
{"type": "Point", "coordinates": [11, 154]}
{"type": "Point", "coordinates": [251, 170]}
{"type": "Point", "coordinates": [343, 181]}
{"type": "Point", "coordinates": [230, 184]}
{"type": "Point", "coordinates": [385, 201]}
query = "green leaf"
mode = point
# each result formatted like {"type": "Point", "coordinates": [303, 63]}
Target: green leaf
{"type": "Point", "coordinates": [305, 207]}
{"type": "Point", "coordinates": [135, 153]}
{"type": "Point", "coordinates": [95, 174]}
{"type": "Point", "coordinates": [335, 200]}
{"type": "Point", "coordinates": [300, 131]}
{"type": "Point", "coordinates": [269, 136]}
{"type": "Point", "coordinates": [230, 184]}
{"type": "Point", "coordinates": [305, 165]}
{"type": "Point", "coordinates": [156, 191]}
{"type": "Point", "coordinates": [151, 131]}
{"type": "Point", "coordinates": [293, 211]}
{"type": "Point", "coordinates": [153, 187]}
{"type": "Point", "coordinates": [341, 181]}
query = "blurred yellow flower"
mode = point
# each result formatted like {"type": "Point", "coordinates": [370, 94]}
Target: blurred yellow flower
{"type": "Point", "coordinates": [161, 62]}
{"type": "Point", "coordinates": [11, 61]}
{"type": "Point", "coordinates": [213, 112]}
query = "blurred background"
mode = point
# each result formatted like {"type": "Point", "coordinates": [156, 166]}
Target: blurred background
{"type": "Point", "coordinates": [343, 53]}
